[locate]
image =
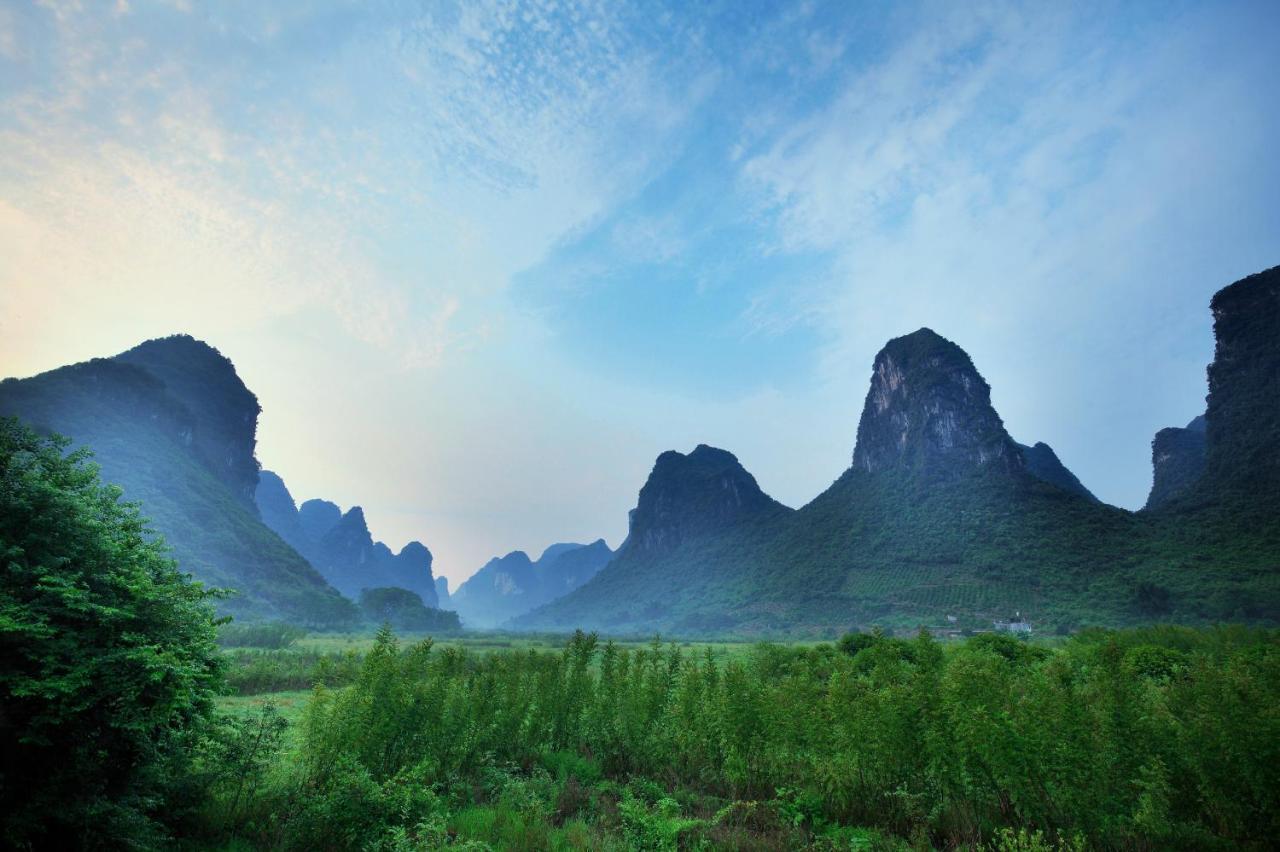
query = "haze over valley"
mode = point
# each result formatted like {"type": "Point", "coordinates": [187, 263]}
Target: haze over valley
{"type": "Point", "coordinates": [577, 425]}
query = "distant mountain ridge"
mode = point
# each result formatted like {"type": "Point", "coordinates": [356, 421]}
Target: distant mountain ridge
{"type": "Point", "coordinates": [943, 519]}
{"type": "Point", "coordinates": [509, 586]}
{"type": "Point", "coordinates": [172, 424]}
{"type": "Point", "coordinates": [340, 546]}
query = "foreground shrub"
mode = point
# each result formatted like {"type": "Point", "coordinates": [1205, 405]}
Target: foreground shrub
{"type": "Point", "coordinates": [1135, 739]}
{"type": "Point", "coordinates": [109, 663]}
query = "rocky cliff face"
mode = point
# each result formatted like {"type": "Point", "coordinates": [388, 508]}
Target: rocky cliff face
{"type": "Point", "coordinates": [929, 413]}
{"type": "Point", "coordinates": [442, 593]}
{"type": "Point", "coordinates": [692, 494]}
{"type": "Point", "coordinates": [340, 545]}
{"type": "Point", "coordinates": [1243, 429]}
{"type": "Point", "coordinates": [205, 381]}
{"type": "Point", "coordinates": [1230, 453]}
{"type": "Point", "coordinates": [1177, 462]}
{"type": "Point", "coordinates": [1043, 463]}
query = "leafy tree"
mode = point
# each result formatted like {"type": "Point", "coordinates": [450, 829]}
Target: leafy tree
{"type": "Point", "coordinates": [109, 658]}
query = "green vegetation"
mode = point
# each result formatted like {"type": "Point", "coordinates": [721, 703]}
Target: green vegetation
{"type": "Point", "coordinates": [1148, 738]}
{"type": "Point", "coordinates": [110, 667]}
{"type": "Point", "coordinates": [259, 634]}
{"type": "Point", "coordinates": [404, 610]}
{"type": "Point", "coordinates": [155, 439]}
{"type": "Point", "coordinates": [1139, 739]}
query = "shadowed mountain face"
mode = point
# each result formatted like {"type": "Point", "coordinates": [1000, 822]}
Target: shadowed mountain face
{"type": "Point", "coordinates": [171, 423]}
{"type": "Point", "coordinates": [943, 519]}
{"type": "Point", "coordinates": [513, 584]}
{"type": "Point", "coordinates": [929, 412]}
{"type": "Point", "coordinates": [1242, 434]}
{"type": "Point", "coordinates": [340, 546]}
{"type": "Point", "coordinates": [206, 383]}
{"type": "Point", "coordinates": [1043, 463]}
{"type": "Point", "coordinates": [692, 514]}
{"type": "Point", "coordinates": [1177, 462]}
{"type": "Point", "coordinates": [690, 496]}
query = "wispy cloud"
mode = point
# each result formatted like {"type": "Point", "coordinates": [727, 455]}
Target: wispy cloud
{"type": "Point", "coordinates": [529, 245]}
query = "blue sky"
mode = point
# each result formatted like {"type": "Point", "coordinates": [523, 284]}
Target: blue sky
{"type": "Point", "coordinates": [482, 262]}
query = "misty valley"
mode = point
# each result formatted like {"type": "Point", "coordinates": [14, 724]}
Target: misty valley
{"type": "Point", "coordinates": [729, 426]}
{"type": "Point", "coordinates": [956, 645]}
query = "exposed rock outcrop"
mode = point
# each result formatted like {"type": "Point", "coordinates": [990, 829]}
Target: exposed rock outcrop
{"type": "Point", "coordinates": [1242, 435]}
{"type": "Point", "coordinates": [929, 413]}
{"type": "Point", "coordinates": [1177, 462]}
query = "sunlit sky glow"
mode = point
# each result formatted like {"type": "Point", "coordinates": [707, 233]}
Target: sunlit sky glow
{"type": "Point", "coordinates": [482, 262]}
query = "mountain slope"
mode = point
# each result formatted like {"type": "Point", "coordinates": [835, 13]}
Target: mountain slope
{"type": "Point", "coordinates": [187, 455]}
{"type": "Point", "coordinates": [1043, 463]}
{"type": "Point", "coordinates": [512, 585]}
{"type": "Point", "coordinates": [695, 516]}
{"type": "Point", "coordinates": [942, 519]}
{"type": "Point", "coordinates": [340, 546]}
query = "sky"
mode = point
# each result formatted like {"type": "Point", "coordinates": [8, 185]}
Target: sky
{"type": "Point", "coordinates": [482, 262]}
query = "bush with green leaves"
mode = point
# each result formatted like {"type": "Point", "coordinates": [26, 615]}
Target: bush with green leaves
{"type": "Point", "coordinates": [274, 635]}
{"type": "Point", "coordinates": [1160, 737]}
{"type": "Point", "coordinates": [108, 661]}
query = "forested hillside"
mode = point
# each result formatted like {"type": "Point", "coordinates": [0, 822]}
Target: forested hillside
{"type": "Point", "coordinates": [942, 519]}
{"type": "Point", "coordinates": [172, 425]}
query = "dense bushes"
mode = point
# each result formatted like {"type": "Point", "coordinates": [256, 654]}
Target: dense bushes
{"type": "Point", "coordinates": [253, 671]}
{"type": "Point", "coordinates": [1159, 738]}
{"type": "Point", "coordinates": [259, 634]}
{"type": "Point", "coordinates": [109, 663]}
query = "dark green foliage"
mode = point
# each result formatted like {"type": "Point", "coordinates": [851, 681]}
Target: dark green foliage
{"type": "Point", "coordinates": [160, 440]}
{"type": "Point", "coordinates": [255, 671]}
{"type": "Point", "coordinates": [236, 758]}
{"type": "Point", "coordinates": [1141, 739]}
{"type": "Point", "coordinates": [404, 610]}
{"type": "Point", "coordinates": [109, 658]}
{"type": "Point", "coordinates": [1043, 463]}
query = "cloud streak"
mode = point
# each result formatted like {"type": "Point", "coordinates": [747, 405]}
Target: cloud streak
{"type": "Point", "coordinates": [483, 261]}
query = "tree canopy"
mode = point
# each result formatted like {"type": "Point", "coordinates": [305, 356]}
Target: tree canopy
{"type": "Point", "coordinates": [109, 665]}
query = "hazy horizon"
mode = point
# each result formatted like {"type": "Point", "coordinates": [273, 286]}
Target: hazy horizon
{"type": "Point", "coordinates": [482, 266]}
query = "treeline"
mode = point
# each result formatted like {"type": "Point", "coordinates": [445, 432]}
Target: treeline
{"type": "Point", "coordinates": [1143, 739]}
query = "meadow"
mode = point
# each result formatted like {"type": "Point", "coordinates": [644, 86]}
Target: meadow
{"type": "Point", "coordinates": [1151, 738]}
